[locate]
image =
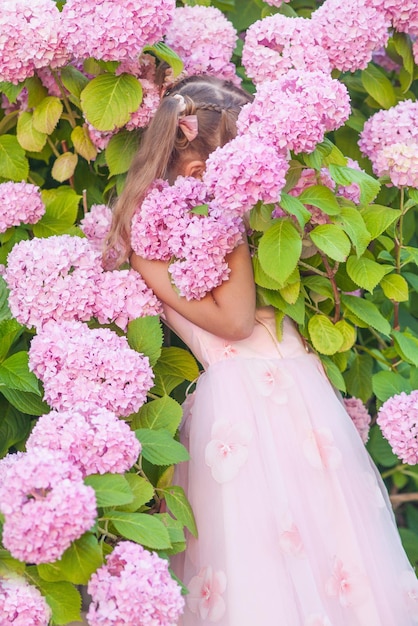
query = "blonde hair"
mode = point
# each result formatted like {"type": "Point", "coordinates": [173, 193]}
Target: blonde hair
{"type": "Point", "coordinates": [164, 147]}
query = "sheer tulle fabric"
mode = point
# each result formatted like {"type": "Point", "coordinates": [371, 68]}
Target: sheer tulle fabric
{"type": "Point", "coordinates": [295, 527]}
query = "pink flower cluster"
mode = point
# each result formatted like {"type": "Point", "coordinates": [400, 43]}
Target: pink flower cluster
{"type": "Point", "coordinates": [398, 420]}
{"type": "Point", "coordinates": [96, 225]}
{"type": "Point", "coordinates": [77, 364]}
{"type": "Point", "coordinates": [22, 604]}
{"type": "Point", "coordinates": [20, 203]}
{"type": "Point", "coordinates": [294, 111]}
{"type": "Point", "coordinates": [402, 13]}
{"type": "Point", "coordinates": [276, 44]}
{"type": "Point", "coordinates": [134, 587]}
{"type": "Point", "coordinates": [360, 416]}
{"type": "Point", "coordinates": [349, 32]}
{"type": "Point", "coordinates": [165, 228]}
{"type": "Point", "coordinates": [392, 135]}
{"type": "Point", "coordinates": [46, 506]}
{"type": "Point", "coordinates": [31, 38]}
{"type": "Point", "coordinates": [204, 39]}
{"type": "Point", "coordinates": [92, 438]}
{"type": "Point", "coordinates": [243, 172]}
{"type": "Point", "coordinates": [114, 30]}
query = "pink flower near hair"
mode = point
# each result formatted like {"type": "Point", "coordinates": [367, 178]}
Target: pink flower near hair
{"type": "Point", "coordinates": [92, 438]}
{"type": "Point", "coordinates": [96, 225]}
{"type": "Point", "coordinates": [77, 364]}
{"type": "Point", "coordinates": [398, 420]}
{"type": "Point", "coordinates": [276, 44]}
{"type": "Point", "coordinates": [295, 111]}
{"type": "Point", "coordinates": [402, 13]}
{"type": "Point", "coordinates": [350, 32]}
{"type": "Point", "coordinates": [243, 172]}
{"type": "Point", "coordinates": [400, 162]}
{"type": "Point", "coordinates": [20, 203]}
{"type": "Point", "coordinates": [360, 416]}
{"type": "Point", "coordinates": [205, 40]}
{"type": "Point", "coordinates": [114, 30]}
{"type": "Point", "coordinates": [22, 604]}
{"type": "Point", "coordinates": [31, 38]}
{"type": "Point", "coordinates": [46, 506]}
{"type": "Point", "coordinates": [150, 101]}
{"type": "Point", "coordinates": [100, 138]}
{"type": "Point", "coordinates": [134, 587]}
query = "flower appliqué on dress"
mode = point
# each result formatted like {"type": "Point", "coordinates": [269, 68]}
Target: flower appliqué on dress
{"type": "Point", "coordinates": [348, 584]}
{"type": "Point", "coordinates": [205, 594]}
{"type": "Point", "coordinates": [272, 381]}
{"type": "Point", "coordinates": [317, 620]}
{"type": "Point", "coordinates": [290, 540]}
{"type": "Point", "coordinates": [227, 451]}
{"type": "Point", "coordinates": [320, 451]}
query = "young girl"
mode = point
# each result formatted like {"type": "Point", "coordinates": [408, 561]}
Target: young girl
{"type": "Point", "coordinates": [295, 526]}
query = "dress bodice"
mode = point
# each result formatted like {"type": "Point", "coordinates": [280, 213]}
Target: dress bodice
{"type": "Point", "coordinates": [262, 343]}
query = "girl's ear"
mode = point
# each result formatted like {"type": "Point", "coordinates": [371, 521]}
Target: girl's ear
{"type": "Point", "coordinates": [194, 168]}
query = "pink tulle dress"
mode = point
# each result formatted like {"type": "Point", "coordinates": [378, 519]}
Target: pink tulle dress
{"type": "Point", "coordinates": [295, 526]}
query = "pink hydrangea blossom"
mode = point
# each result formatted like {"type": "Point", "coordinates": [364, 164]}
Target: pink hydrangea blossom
{"type": "Point", "coordinates": [114, 30]}
{"type": "Point", "coordinates": [205, 594]}
{"type": "Point", "coordinates": [243, 172]}
{"type": "Point", "coordinates": [79, 364]}
{"type": "Point", "coordinates": [205, 40]}
{"type": "Point", "coordinates": [415, 51]}
{"type": "Point", "coordinates": [96, 225]}
{"type": "Point", "coordinates": [402, 13]}
{"type": "Point", "coordinates": [350, 32]}
{"type": "Point", "coordinates": [276, 3]}
{"type": "Point", "coordinates": [48, 80]}
{"type": "Point", "coordinates": [52, 278]}
{"type": "Point", "coordinates": [20, 203]}
{"type": "Point", "coordinates": [398, 420]}
{"type": "Point", "coordinates": [351, 192]}
{"type": "Point", "coordinates": [294, 111]}
{"type": "Point", "coordinates": [400, 162]}
{"type": "Point", "coordinates": [134, 587]}
{"type": "Point", "coordinates": [360, 416]}
{"type": "Point", "coordinates": [31, 38]}
{"type": "Point", "coordinates": [100, 138]}
{"type": "Point", "coordinates": [46, 506]}
{"type": "Point", "coordinates": [123, 296]}
{"type": "Point", "coordinates": [150, 101]}
{"type": "Point", "coordinates": [22, 604]}
{"type": "Point", "coordinates": [276, 44]}
{"type": "Point", "coordinates": [92, 438]}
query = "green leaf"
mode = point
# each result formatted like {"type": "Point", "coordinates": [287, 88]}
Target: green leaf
{"type": "Point", "coordinates": [319, 285]}
{"type": "Point", "coordinates": [200, 209]}
{"type": "Point", "coordinates": [333, 373]}
{"type": "Point", "coordinates": [403, 47]}
{"type": "Point", "coordinates": [295, 207]}
{"type": "Point", "coordinates": [61, 206]}
{"type": "Point", "coordinates": [410, 544]}
{"type": "Point", "coordinates": [395, 288]}
{"type": "Point", "coordinates": [378, 218]}
{"type": "Point", "coordinates": [73, 80]}
{"type": "Point", "coordinates": [5, 313]}
{"type": "Point", "coordinates": [163, 413]}
{"type": "Point", "coordinates": [260, 217]}
{"type": "Point", "coordinates": [367, 312]}
{"type": "Point", "coordinates": [378, 86]}
{"type": "Point", "coordinates": [47, 114]}
{"type": "Point", "coordinates": [332, 240]}
{"type": "Point", "coordinates": [142, 491]}
{"type": "Point", "coordinates": [15, 374]}
{"type": "Point", "coordinates": [13, 162]}
{"type": "Point", "coordinates": [353, 224]}
{"type": "Point", "coordinates": [407, 346]}
{"type": "Point", "coordinates": [29, 403]}
{"type": "Point", "coordinates": [325, 337]}
{"type": "Point", "coordinates": [163, 52]}
{"type": "Point", "coordinates": [343, 175]}
{"type": "Point", "coordinates": [108, 100]}
{"type": "Point", "coordinates": [159, 447]}
{"type": "Point", "coordinates": [27, 135]}
{"type": "Point", "coordinates": [279, 250]}
{"type": "Point", "coordinates": [10, 90]}
{"type": "Point", "coordinates": [173, 367]}
{"type": "Point", "coordinates": [10, 330]}
{"type": "Point", "coordinates": [180, 507]}
{"type": "Point", "coordinates": [36, 91]}
{"type": "Point", "coordinates": [145, 335]}
{"type": "Point", "coordinates": [380, 449]}
{"type": "Point", "coordinates": [358, 377]}
{"type": "Point", "coordinates": [9, 566]}
{"type": "Point", "coordinates": [141, 528]}
{"type": "Point", "coordinates": [387, 384]}
{"type": "Point", "coordinates": [321, 197]}
{"type": "Point", "coordinates": [365, 272]}
{"type": "Point", "coordinates": [64, 600]}
{"type": "Point", "coordinates": [64, 166]}
{"type": "Point", "coordinates": [120, 152]}
{"type": "Point", "coordinates": [260, 276]}
{"type": "Point", "coordinates": [14, 427]}
{"type": "Point", "coordinates": [111, 489]}
{"type": "Point", "coordinates": [316, 158]}
{"type": "Point", "coordinates": [175, 532]}
{"type": "Point", "coordinates": [349, 334]}
{"type": "Point", "coordinates": [82, 143]}
{"type": "Point", "coordinates": [77, 563]}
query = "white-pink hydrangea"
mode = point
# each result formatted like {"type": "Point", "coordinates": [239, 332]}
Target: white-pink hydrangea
{"type": "Point", "coordinates": [20, 203]}
{"type": "Point", "coordinates": [277, 43]}
{"type": "Point", "coordinates": [415, 51]}
{"type": "Point", "coordinates": [134, 587]}
{"type": "Point", "coordinates": [91, 437]}
{"type": "Point", "coordinates": [79, 364]}
{"type": "Point", "coordinates": [31, 38]}
{"type": "Point", "coordinates": [350, 32]}
{"type": "Point", "coordinates": [244, 172]}
{"type": "Point", "coordinates": [400, 162]}
{"type": "Point", "coordinates": [204, 39]}
{"type": "Point", "coordinates": [398, 420]}
{"type": "Point", "coordinates": [114, 30]}
{"type": "Point", "coordinates": [295, 111]}
{"type": "Point", "coordinates": [122, 296]}
{"type": "Point", "coordinates": [96, 225]}
{"type": "Point", "coordinates": [46, 506]}
{"type": "Point", "coordinates": [360, 416]}
{"type": "Point", "coordinates": [52, 278]}
{"type": "Point", "coordinates": [22, 604]}
{"type": "Point", "coordinates": [402, 13]}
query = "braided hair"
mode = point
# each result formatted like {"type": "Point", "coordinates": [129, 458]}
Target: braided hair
{"type": "Point", "coordinates": [165, 148]}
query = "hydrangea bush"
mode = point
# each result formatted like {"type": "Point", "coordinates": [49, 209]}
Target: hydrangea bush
{"type": "Point", "coordinates": [325, 169]}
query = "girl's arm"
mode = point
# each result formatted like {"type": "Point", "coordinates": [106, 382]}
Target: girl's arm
{"type": "Point", "coordinates": [228, 311]}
